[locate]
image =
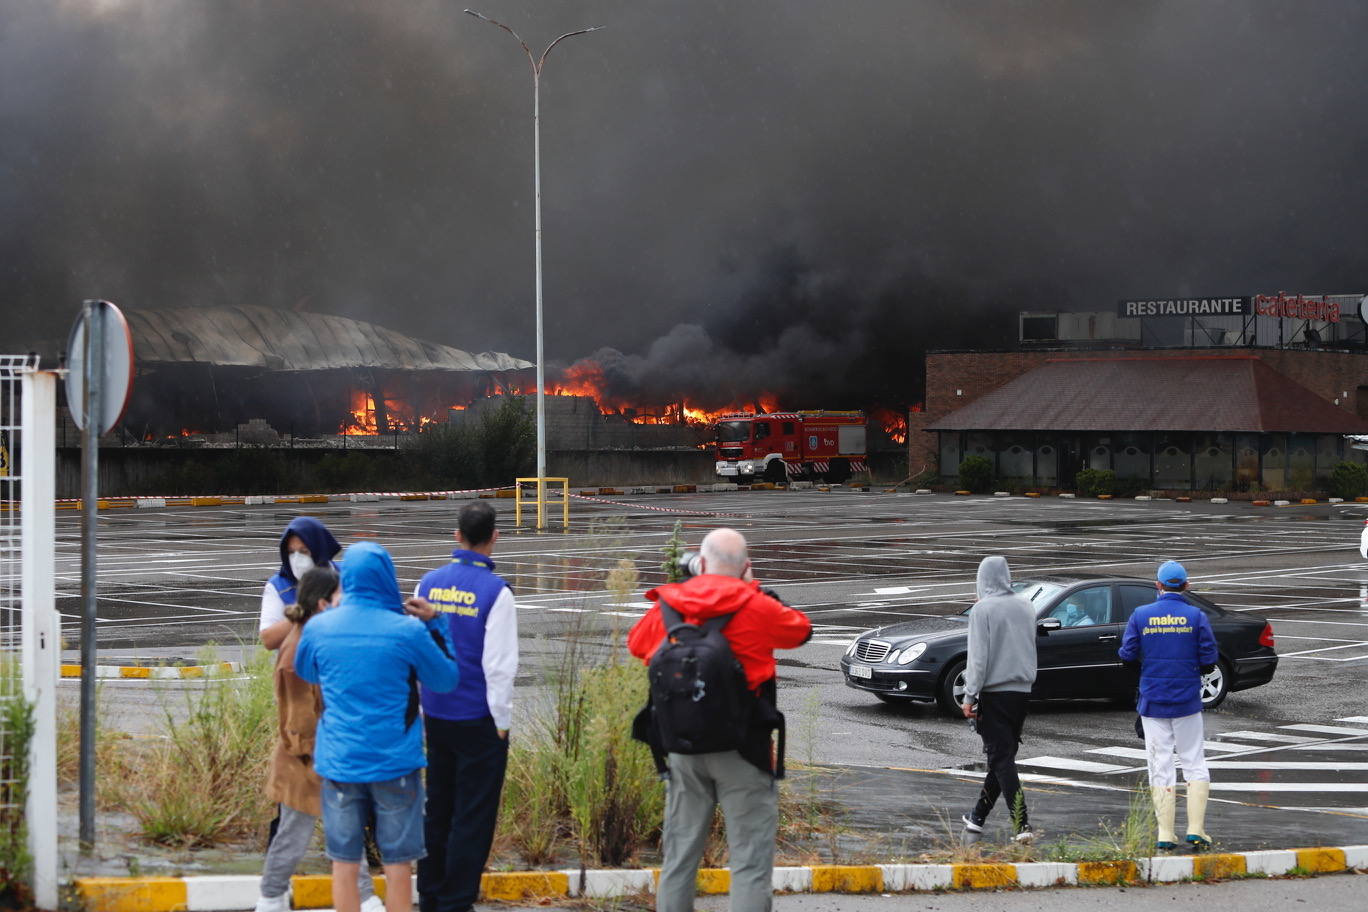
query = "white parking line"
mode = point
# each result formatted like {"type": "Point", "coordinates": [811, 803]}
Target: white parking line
{"type": "Point", "coordinates": [1326, 729]}
{"type": "Point", "coordinates": [1268, 736]}
{"type": "Point", "coordinates": [1219, 786]}
{"type": "Point", "coordinates": [1068, 763]}
{"type": "Point", "coordinates": [1331, 747]}
{"type": "Point", "coordinates": [1329, 765]}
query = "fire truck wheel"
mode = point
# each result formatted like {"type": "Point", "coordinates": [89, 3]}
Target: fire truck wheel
{"type": "Point", "coordinates": [776, 472]}
{"type": "Point", "coordinates": [839, 471]}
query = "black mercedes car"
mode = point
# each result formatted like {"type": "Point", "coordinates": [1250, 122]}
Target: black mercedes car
{"type": "Point", "coordinates": [1080, 620]}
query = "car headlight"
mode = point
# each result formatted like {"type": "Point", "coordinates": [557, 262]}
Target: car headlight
{"type": "Point", "coordinates": [911, 653]}
{"type": "Point", "coordinates": [850, 650]}
{"type": "Point", "coordinates": [891, 657]}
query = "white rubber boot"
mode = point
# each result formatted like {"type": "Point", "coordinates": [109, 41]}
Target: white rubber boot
{"type": "Point", "coordinates": [1197, 795]}
{"type": "Point", "coordinates": [1165, 808]}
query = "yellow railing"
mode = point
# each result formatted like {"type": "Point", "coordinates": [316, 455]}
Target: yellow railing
{"type": "Point", "coordinates": [539, 486]}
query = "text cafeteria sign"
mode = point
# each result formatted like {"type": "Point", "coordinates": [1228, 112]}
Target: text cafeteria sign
{"type": "Point", "coordinates": [1283, 305]}
{"type": "Point", "coordinates": [1186, 307]}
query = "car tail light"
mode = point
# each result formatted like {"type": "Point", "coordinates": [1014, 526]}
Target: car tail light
{"type": "Point", "coordinates": [1266, 638]}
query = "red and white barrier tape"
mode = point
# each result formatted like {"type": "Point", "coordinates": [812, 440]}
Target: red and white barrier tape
{"type": "Point", "coordinates": [659, 509]}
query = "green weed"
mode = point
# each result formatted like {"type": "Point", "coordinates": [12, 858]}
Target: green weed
{"type": "Point", "coordinates": [201, 782]}
{"type": "Point", "coordinates": [16, 721]}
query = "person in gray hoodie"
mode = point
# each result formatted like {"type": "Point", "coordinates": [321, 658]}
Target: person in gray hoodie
{"type": "Point", "coordinates": [999, 672]}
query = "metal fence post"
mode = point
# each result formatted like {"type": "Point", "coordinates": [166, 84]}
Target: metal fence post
{"type": "Point", "coordinates": [41, 631]}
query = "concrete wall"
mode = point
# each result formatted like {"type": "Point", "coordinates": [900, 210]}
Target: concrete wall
{"type": "Point", "coordinates": [132, 471]}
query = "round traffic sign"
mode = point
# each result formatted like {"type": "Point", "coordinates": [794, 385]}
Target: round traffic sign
{"type": "Point", "coordinates": [116, 380]}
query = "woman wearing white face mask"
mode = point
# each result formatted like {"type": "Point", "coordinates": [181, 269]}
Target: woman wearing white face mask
{"type": "Point", "coordinates": [306, 543]}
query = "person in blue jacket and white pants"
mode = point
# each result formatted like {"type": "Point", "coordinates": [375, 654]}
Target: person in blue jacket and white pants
{"type": "Point", "coordinates": [368, 657]}
{"type": "Point", "coordinates": [1171, 639]}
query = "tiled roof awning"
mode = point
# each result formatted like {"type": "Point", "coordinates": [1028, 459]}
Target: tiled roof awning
{"type": "Point", "coordinates": [1224, 393]}
{"type": "Point", "coordinates": [287, 340]}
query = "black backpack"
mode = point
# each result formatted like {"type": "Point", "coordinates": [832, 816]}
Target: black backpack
{"type": "Point", "coordinates": [699, 700]}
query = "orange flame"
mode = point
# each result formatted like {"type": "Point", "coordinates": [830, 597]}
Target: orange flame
{"type": "Point", "coordinates": [894, 423]}
{"type": "Point", "coordinates": [585, 378]}
{"type": "Point", "coordinates": [362, 421]}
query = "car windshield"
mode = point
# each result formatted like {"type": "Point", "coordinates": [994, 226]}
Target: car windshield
{"type": "Point", "coordinates": [733, 431]}
{"type": "Point", "coordinates": [1037, 592]}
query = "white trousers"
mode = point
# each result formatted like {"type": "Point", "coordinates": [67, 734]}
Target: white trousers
{"type": "Point", "coordinates": [1164, 737]}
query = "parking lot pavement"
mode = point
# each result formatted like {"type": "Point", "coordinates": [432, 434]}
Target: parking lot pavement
{"type": "Point", "coordinates": [1304, 766]}
{"type": "Point", "coordinates": [173, 579]}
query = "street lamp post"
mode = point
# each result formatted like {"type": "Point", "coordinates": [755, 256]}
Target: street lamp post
{"type": "Point", "coordinates": [537, 64]}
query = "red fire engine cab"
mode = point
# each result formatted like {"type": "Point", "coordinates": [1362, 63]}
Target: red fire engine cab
{"type": "Point", "coordinates": [784, 446]}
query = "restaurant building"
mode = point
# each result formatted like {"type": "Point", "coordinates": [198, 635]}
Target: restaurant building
{"type": "Point", "coordinates": [1159, 405]}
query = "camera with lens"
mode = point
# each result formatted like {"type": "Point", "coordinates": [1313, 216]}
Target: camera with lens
{"type": "Point", "coordinates": [689, 564]}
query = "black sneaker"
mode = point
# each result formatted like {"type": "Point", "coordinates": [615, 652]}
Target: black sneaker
{"type": "Point", "coordinates": [972, 823]}
{"type": "Point", "coordinates": [1026, 835]}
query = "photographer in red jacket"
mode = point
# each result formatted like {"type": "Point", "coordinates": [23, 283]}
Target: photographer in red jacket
{"type": "Point", "coordinates": [742, 780]}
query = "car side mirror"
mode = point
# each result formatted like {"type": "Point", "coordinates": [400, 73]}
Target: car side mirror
{"type": "Point", "coordinates": [1045, 625]}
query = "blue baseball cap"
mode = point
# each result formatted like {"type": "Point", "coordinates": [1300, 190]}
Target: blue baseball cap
{"type": "Point", "coordinates": [1172, 574]}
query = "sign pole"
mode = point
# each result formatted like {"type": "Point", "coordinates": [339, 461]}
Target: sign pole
{"type": "Point", "coordinates": [94, 370]}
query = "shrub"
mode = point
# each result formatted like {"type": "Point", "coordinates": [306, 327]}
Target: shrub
{"type": "Point", "coordinates": [496, 449]}
{"type": "Point", "coordinates": [575, 774]}
{"type": "Point", "coordinates": [615, 798]}
{"type": "Point", "coordinates": [1349, 480]}
{"type": "Point", "coordinates": [976, 474]}
{"type": "Point", "coordinates": [16, 719]}
{"type": "Point", "coordinates": [1092, 482]}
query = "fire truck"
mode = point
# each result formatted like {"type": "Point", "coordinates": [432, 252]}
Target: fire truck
{"type": "Point", "coordinates": [784, 446]}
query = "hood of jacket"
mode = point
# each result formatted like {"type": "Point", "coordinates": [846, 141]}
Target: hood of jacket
{"type": "Point", "coordinates": [993, 577]}
{"type": "Point", "coordinates": [316, 537]}
{"type": "Point", "coordinates": [369, 580]}
{"type": "Point", "coordinates": [705, 596]}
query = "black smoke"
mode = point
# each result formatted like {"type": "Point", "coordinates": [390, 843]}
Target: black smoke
{"type": "Point", "coordinates": [789, 194]}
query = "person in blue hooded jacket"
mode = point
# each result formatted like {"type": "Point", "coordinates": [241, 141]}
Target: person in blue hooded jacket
{"type": "Point", "coordinates": [1172, 641]}
{"type": "Point", "coordinates": [306, 543]}
{"type": "Point", "coordinates": [368, 656]}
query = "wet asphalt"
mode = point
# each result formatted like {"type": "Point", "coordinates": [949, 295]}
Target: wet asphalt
{"type": "Point", "coordinates": [174, 580]}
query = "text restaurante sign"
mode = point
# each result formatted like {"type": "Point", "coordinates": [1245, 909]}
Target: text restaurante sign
{"type": "Point", "coordinates": [1185, 307]}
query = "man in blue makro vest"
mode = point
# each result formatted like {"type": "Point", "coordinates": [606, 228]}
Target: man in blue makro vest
{"type": "Point", "coordinates": [467, 729]}
{"type": "Point", "coordinates": [1171, 639]}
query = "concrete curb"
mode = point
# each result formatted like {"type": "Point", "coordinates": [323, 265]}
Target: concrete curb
{"type": "Point", "coordinates": [224, 894]}
{"type": "Point", "coordinates": [155, 672]}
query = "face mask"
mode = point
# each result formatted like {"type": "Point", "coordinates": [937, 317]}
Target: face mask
{"type": "Point", "coordinates": [300, 564]}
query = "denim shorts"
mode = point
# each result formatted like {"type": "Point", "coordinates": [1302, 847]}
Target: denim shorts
{"type": "Point", "coordinates": [398, 808]}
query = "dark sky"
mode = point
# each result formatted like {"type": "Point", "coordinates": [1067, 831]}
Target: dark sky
{"type": "Point", "coordinates": [771, 193]}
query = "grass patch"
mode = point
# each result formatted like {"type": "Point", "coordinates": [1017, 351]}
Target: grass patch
{"type": "Point", "coordinates": [576, 779]}
{"type": "Point", "coordinates": [200, 783]}
{"type": "Point", "coordinates": [1131, 838]}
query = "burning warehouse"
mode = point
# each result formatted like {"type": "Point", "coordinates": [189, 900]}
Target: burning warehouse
{"type": "Point", "coordinates": [205, 369]}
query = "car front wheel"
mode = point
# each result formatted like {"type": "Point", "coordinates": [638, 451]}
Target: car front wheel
{"type": "Point", "coordinates": [1216, 685]}
{"type": "Point", "coordinates": [950, 693]}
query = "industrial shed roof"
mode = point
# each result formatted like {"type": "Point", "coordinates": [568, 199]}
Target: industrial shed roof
{"type": "Point", "coordinates": [1220, 393]}
{"type": "Point", "coordinates": [288, 340]}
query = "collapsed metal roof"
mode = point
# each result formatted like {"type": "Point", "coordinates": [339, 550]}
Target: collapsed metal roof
{"type": "Point", "coordinates": [286, 340]}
